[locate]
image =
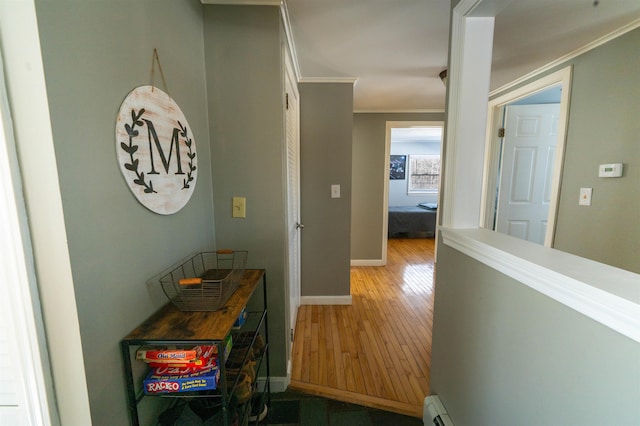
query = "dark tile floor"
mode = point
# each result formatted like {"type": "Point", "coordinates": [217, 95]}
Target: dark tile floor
{"type": "Point", "coordinates": [293, 408]}
{"type": "Point", "coordinates": [288, 408]}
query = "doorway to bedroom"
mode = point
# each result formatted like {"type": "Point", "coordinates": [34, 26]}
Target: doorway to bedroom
{"type": "Point", "coordinates": [412, 181]}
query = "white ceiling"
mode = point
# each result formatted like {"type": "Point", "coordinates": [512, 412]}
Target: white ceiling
{"type": "Point", "coordinates": [532, 33]}
{"type": "Point", "coordinates": [416, 134]}
{"type": "Point", "coordinates": [395, 49]}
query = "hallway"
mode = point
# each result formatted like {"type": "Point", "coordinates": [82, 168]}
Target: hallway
{"type": "Point", "coordinates": [377, 351]}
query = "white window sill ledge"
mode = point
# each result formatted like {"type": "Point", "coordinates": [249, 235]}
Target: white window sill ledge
{"type": "Point", "coordinates": [605, 294]}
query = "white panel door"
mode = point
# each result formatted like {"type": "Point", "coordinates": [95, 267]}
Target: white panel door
{"type": "Point", "coordinates": [292, 126]}
{"type": "Point", "coordinates": [23, 399]}
{"type": "Point", "coordinates": [12, 404]}
{"type": "Point", "coordinates": [528, 155]}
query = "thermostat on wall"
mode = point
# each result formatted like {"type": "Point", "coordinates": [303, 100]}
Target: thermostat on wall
{"type": "Point", "coordinates": [610, 170]}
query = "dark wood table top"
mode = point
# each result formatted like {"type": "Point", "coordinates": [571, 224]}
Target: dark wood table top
{"type": "Point", "coordinates": [170, 324]}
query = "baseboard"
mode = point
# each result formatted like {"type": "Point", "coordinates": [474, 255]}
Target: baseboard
{"type": "Point", "coordinates": [278, 384]}
{"type": "Point", "coordinates": [325, 300]}
{"type": "Point", "coordinates": [367, 262]}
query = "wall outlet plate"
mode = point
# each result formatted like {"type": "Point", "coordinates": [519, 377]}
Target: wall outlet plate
{"type": "Point", "coordinates": [585, 196]}
{"type": "Point", "coordinates": [335, 191]}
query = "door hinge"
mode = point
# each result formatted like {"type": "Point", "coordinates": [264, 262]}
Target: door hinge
{"type": "Point", "coordinates": [501, 132]}
{"type": "Point", "coordinates": [292, 334]}
{"type": "Point", "coordinates": [286, 100]}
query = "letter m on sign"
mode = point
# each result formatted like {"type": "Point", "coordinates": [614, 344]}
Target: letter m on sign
{"type": "Point", "coordinates": [153, 141]}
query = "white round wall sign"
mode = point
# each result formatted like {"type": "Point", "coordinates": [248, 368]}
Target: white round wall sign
{"type": "Point", "coordinates": [156, 150]}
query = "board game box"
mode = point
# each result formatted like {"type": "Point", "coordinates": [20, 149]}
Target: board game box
{"type": "Point", "coordinates": [159, 381]}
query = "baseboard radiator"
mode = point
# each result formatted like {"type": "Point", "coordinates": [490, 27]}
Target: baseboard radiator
{"type": "Point", "coordinates": [434, 413]}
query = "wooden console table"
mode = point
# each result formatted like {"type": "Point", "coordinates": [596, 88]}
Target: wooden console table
{"type": "Point", "coordinates": [170, 326]}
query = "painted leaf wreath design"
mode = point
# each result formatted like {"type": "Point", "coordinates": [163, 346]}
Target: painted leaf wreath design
{"type": "Point", "coordinates": [131, 149]}
{"type": "Point", "coordinates": [184, 133]}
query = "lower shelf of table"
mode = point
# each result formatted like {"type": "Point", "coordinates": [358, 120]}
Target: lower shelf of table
{"type": "Point", "coordinates": [247, 361]}
{"type": "Point", "coordinates": [196, 411]}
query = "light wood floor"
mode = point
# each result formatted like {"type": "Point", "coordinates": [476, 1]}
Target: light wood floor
{"type": "Point", "coordinates": [376, 352]}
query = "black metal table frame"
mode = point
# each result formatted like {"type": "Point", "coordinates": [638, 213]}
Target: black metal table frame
{"type": "Point", "coordinates": [134, 399]}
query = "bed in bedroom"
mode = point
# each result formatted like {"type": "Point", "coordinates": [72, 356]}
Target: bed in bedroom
{"type": "Point", "coordinates": [412, 221]}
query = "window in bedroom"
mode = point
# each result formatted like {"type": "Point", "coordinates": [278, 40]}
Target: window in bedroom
{"type": "Point", "coordinates": [424, 174]}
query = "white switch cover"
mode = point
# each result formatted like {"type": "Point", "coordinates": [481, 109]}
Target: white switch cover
{"type": "Point", "coordinates": [239, 207]}
{"type": "Point", "coordinates": [585, 196]}
{"type": "Point", "coordinates": [335, 191]}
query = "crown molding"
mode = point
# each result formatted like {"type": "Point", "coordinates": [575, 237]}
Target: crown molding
{"type": "Point", "coordinates": [244, 2]}
{"type": "Point", "coordinates": [350, 80]}
{"type": "Point", "coordinates": [571, 55]}
{"type": "Point", "coordinates": [399, 111]}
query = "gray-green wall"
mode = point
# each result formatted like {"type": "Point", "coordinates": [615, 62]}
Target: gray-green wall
{"type": "Point", "coordinates": [245, 91]}
{"type": "Point", "coordinates": [369, 139]}
{"type": "Point", "coordinates": [326, 123]}
{"type": "Point", "coordinates": [504, 354]}
{"type": "Point", "coordinates": [94, 53]}
{"type": "Point", "coordinates": [603, 128]}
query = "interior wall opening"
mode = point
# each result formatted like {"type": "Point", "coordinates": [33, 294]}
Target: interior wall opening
{"type": "Point", "coordinates": [412, 180]}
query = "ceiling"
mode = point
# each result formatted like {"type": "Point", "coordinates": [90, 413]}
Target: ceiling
{"type": "Point", "coordinates": [416, 133]}
{"type": "Point", "coordinates": [394, 50]}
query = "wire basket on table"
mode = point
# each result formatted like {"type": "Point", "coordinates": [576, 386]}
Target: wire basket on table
{"type": "Point", "coordinates": [205, 281]}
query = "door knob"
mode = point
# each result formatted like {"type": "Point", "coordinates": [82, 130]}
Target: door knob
{"type": "Point", "coordinates": [299, 225]}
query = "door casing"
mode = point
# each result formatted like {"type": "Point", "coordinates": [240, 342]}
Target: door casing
{"type": "Point", "coordinates": [492, 147]}
{"type": "Point", "coordinates": [292, 177]}
{"type": "Point", "coordinates": [387, 166]}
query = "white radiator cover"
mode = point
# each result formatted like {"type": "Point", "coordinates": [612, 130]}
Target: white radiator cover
{"type": "Point", "coordinates": [434, 413]}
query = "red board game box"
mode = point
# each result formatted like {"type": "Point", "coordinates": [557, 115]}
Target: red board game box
{"type": "Point", "coordinates": [185, 367]}
{"type": "Point", "coordinates": [175, 354]}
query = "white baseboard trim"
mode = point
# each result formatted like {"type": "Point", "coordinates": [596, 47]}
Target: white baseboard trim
{"type": "Point", "coordinates": [325, 300]}
{"type": "Point", "coordinates": [367, 262]}
{"type": "Point", "coordinates": [278, 384]}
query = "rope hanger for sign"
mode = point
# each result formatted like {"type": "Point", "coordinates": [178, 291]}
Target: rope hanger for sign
{"type": "Point", "coordinates": [156, 59]}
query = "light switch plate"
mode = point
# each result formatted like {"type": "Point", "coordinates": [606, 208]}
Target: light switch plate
{"type": "Point", "coordinates": [585, 196]}
{"type": "Point", "coordinates": [335, 191]}
{"type": "Point", "coordinates": [239, 207]}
